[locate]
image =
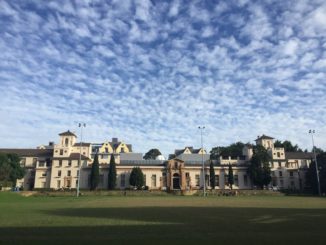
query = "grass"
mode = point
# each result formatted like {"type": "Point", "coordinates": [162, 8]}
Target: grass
{"type": "Point", "coordinates": [162, 220]}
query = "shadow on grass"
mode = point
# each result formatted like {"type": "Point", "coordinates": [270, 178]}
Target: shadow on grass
{"type": "Point", "coordinates": [176, 225]}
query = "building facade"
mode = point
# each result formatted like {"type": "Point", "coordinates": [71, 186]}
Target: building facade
{"type": "Point", "coordinates": [57, 166]}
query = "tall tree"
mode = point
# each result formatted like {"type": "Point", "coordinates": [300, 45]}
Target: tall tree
{"type": "Point", "coordinates": [136, 178]}
{"type": "Point", "coordinates": [311, 175]}
{"type": "Point", "coordinates": [287, 145]}
{"type": "Point", "coordinates": [112, 178]}
{"type": "Point", "coordinates": [233, 150]}
{"type": "Point", "coordinates": [95, 173]}
{"type": "Point", "coordinates": [152, 154]}
{"type": "Point", "coordinates": [230, 177]}
{"type": "Point", "coordinates": [259, 169]}
{"type": "Point", "coordinates": [212, 175]}
{"type": "Point", "coordinates": [10, 169]}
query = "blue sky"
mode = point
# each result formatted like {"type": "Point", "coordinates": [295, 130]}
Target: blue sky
{"type": "Point", "coordinates": [151, 72]}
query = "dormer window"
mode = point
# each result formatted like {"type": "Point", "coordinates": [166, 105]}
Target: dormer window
{"type": "Point", "coordinates": [66, 142]}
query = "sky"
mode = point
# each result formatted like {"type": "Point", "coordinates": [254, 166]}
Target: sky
{"type": "Point", "coordinates": [151, 72]}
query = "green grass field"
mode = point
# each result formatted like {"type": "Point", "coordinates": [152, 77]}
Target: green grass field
{"type": "Point", "coordinates": [162, 220]}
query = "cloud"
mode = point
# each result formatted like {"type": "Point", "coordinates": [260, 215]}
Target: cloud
{"type": "Point", "coordinates": [150, 72]}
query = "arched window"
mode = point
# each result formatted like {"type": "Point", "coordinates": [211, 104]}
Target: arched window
{"type": "Point", "coordinates": [66, 142]}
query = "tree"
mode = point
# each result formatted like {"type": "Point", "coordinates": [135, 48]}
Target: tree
{"type": "Point", "coordinates": [136, 178]}
{"type": "Point", "coordinates": [311, 175]}
{"type": "Point", "coordinates": [288, 146]}
{"type": "Point", "coordinates": [233, 150]}
{"type": "Point", "coordinates": [112, 178]}
{"type": "Point", "coordinates": [212, 175]}
{"type": "Point", "coordinates": [10, 169]}
{"type": "Point", "coordinates": [317, 150]}
{"type": "Point", "coordinates": [230, 176]}
{"type": "Point", "coordinates": [95, 173]}
{"type": "Point", "coordinates": [259, 169]}
{"type": "Point", "coordinates": [152, 154]}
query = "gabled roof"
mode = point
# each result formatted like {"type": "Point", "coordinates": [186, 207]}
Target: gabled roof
{"type": "Point", "coordinates": [29, 152]}
{"type": "Point", "coordinates": [67, 133]}
{"type": "Point", "coordinates": [178, 152]}
{"type": "Point", "coordinates": [264, 137]}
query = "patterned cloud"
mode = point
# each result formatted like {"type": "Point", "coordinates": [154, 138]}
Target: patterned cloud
{"type": "Point", "coordinates": [151, 72]}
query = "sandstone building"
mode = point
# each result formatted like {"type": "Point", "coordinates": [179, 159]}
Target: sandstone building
{"type": "Point", "coordinates": [57, 166]}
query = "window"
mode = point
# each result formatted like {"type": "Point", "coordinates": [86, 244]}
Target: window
{"type": "Point", "coordinates": [68, 183]}
{"type": "Point", "coordinates": [245, 180]}
{"type": "Point", "coordinates": [153, 184]}
{"type": "Point", "coordinates": [236, 182]}
{"type": "Point", "coordinates": [34, 161]}
{"type": "Point", "coordinates": [68, 173]}
{"type": "Point", "coordinates": [66, 142]}
{"type": "Point", "coordinates": [175, 165]}
{"type": "Point", "coordinates": [291, 174]}
{"type": "Point", "coordinates": [61, 152]}
{"type": "Point", "coordinates": [41, 163]}
{"type": "Point", "coordinates": [144, 179]}
{"type": "Point", "coordinates": [279, 164]}
{"type": "Point", "coordinates": [281, 183]}
{"type": "Point", "coordinates": [77, 173]}
{"type": "Point", "coordinates": [58, 184]}
{"type": "Point", "coordinates": [226, 179]}
{"type": "Point", "coordinates": [43, 184]}
{"type": "Point", "coordinates": [59, 173]}
{"type": "Point", "coordinates": [76, 182]}
{"type": "Point", "coordinates": [69, 163]}
{"type": "Point", "coordinates": [123, 180]}
{"type": "Point", "coordinates": [60, 163]}
{"type": "Point", "coordinates": [188, 179]}
{"type": "Point", "coordinates": [280, 173]}
{"type": "Point", "coordinates": [23, 162]}
{"type": "Point", "coordinates": [197, 179]}
{"type": "Point", "coordinates": [217, 180]}
{"type": "Point", "coordinates": [44, 174]}
{"type": "Point", "coordinates": [106, 150]}
{"type": "Point", "coordinates": [48, 162]}
{"type": "Point", "coordinates": [164, 179]}
{"type": "Point", "coordinates": [278, 154]}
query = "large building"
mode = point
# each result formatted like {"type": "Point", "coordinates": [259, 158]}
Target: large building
{"type": "Point", "coordinates": [57, 166]}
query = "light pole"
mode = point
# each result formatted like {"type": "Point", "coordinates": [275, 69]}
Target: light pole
{"type": "Point", "coordinates": [202, 157]}
{"type": "Point", "coordinates": [81, 126]}
{"type": "Point", "coordinates": [311, 131]}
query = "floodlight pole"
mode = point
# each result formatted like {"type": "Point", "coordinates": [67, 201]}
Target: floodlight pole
{"type": "Point", "coordinates": [81, 126]}
{"type": "Point", "coordinates": [312, 132]}
{"type": "Point", "coordinates": [202, 157]}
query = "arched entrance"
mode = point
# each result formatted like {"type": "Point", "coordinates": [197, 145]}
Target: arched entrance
{"type": "Point", "coordinates": [176, 181]}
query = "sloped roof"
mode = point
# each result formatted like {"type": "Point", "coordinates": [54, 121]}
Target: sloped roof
{"type": "Point", "coordinates": [67, 133]}
{"type": "Point", "coordinates": [299, 155]}
{"type": "Point", "coordinates": [264, 137]}
{"type": "Point", "coordinates": [82, 144]}
{"type": "Point", "coordinates": [191, 149]}
{"type": "Point", "coordinates": [73, 156]}
{"type": "Point", "coordinates": [29, 152]}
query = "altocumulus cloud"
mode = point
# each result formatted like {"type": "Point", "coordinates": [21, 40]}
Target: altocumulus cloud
{"type": "Point", "coordinates": [151, 72]}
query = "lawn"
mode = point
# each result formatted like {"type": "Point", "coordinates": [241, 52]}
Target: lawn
{"type": "Point", "coordinates": [162, 220]}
